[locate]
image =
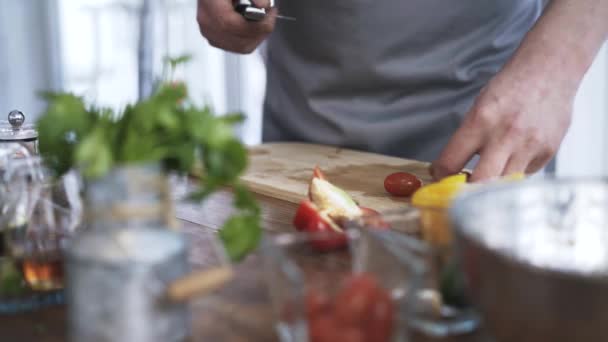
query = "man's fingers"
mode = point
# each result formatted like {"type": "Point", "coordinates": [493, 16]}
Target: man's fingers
{"type": "Point", "coordinates": [518, 162]}
{"type": "Point", "coordinates": [460, 149]}
{"type": "Point", "coordinates": [262, 3]}
{"type": "Point", "coordinates": [227, 29]}
{"type": "Point", "coordinates": [538, 163]}
{"type": "Point", "coordinates": [231, 43]}
{"type": "Point", "coordinates": [232, 22]}
{"type": "Point", "coordinates": [492, 161]}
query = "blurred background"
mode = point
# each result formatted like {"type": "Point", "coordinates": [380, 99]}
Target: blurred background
{"type": "Point", "coordinates": [111, 50]}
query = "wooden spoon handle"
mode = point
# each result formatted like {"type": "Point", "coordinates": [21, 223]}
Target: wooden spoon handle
{"type": "Point", "coordinates": [198, 284]}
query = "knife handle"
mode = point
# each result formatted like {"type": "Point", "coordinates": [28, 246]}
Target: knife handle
{"type": "Point", "coordinates": [248, 10]}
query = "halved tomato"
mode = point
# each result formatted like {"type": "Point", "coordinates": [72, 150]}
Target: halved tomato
{"type": "Point", "coordinates": [309, 219]}
{"type": "Point", "coordinates": [307, 211]}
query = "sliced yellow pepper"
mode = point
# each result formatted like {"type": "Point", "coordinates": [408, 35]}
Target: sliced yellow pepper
{"type": "Point", "coordinates": [434, 199]}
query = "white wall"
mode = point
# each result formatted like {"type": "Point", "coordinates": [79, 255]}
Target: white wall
{"type": "Point", "coordinates": [28, 55]}
{"type": "Point", "coordinates": [584, 151]}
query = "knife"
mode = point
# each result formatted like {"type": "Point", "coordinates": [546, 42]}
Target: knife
{"type": "Point", "coordinates": [252, 13]}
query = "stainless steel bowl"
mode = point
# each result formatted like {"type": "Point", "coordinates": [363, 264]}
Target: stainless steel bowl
{"type": "Point", "coordinates": [535, 258]}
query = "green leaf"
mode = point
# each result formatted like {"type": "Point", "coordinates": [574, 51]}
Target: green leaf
{"type": "Point", "coordinates": [226, 162]}
{"type": "Point", "coordinates": [175, 61]}
{"type": "Point", "coordinates": [94, 155]}
{"type": "Point", "coordinates": [60, 128]}
{"type": "Point", "coordinates": [240, 235]}
{"type": "Point", "coordinates": [245, 200]}
{"type": "Point", "coordinates": [167, 129]}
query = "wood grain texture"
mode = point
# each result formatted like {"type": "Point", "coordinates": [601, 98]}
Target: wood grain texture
{"type": "Point", "coordinates": [284, 170]}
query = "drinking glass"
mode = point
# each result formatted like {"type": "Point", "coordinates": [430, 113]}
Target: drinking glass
{"type": "Point", "coordinates": [441, 307]}
{"type": "Point", "coordinates": [327, 294]}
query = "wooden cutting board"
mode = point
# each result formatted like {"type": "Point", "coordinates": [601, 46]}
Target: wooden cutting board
{"type": "Point", "coordinates": [284, 170]}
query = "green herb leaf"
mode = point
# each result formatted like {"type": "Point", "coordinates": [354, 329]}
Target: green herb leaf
{"type": "Point", "coordinates": [167, 129]}
{"type": "Point", "coordinates": [94, 155]}
{"type": "Point", "coordinates": [225, 162]}
{"type": "Point", "coordinates": [244, 200]}
{"type": "Point", "coordinates": [241, 235]}
{"type": "Point", "coordinates": [175, 61]}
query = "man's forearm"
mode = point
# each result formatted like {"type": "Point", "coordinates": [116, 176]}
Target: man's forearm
{"type": "Point", "coordinates": [563, 43]}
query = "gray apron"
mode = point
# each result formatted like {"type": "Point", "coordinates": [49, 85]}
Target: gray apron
{"type": "Point", "coordinates": [388, 76]}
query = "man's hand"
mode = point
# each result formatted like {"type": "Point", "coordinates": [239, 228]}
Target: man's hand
{"type": "Point", "coordinates": [520, 118]}
{"type": "Point", "coordinates": [226, 29]}
{"type": "Point", "coordinates": [516, 125]}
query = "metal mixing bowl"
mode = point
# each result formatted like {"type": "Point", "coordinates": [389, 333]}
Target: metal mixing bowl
{"type": "Point", "coordinates": [535, 258]}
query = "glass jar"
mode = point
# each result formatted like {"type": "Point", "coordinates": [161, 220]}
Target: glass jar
{"type": "Point", "coordinates": [40, 215]}
{"type": "Point", "coordinates": [119, 265]}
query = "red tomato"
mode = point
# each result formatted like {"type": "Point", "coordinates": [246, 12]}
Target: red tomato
{"type": "Point", "coordinates": [316, 303]}
{"type": "Point", "coordinates": [379, 326]}
{"type": "Point", "coordinates": [349, 334]}
{"type": "Point", "coordinates": [321, 328]}
{"type": "Point", "coordinates": [308, 219]}
{"type": "Point", "coordinates": [402, 184]}
{"type": "Point", "coordinates": [332, 241]}
{"type": "Point", "coordinates": [307, 211]}
{"type": "Point", "coordinates": [373, 219]}
{"type": "Point", "coordinates": [354, 301]}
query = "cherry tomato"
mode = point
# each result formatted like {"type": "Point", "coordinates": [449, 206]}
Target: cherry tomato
{"type": "Point", "coordinates": [354, 301]}
{"type": "Point", "coordinates": [379, 327]}
{"type": "Point", "coordinates": [361, 311]}
{"type": "Point", "coordinates": [402, 184]}
{"type": "Point", "coordinates": [321, 328]}
{"type": "Point", "coordinates": [350, 334]}
{"type": "Point", "coordinates": [316, 303]}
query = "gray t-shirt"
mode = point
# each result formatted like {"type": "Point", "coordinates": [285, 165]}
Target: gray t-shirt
{"type": "Point", "coordinates": [388, 76]}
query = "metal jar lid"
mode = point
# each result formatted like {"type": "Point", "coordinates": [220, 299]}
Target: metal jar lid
{"type": "Point", "coordinates": [15, 130]}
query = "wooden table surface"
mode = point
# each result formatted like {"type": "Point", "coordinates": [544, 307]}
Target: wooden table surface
{"type": "Point", "coordinates": [238, 312]}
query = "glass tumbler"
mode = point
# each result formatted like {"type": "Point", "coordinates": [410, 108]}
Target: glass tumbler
{"type": "Point", "coordinates": [441, 307]}
{"type": "Point", "coordinates": [356, 293]}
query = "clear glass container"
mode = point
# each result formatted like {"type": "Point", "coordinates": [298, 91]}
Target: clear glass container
{"type": "Point", "coordinates": [360, 292]}
{"type": "Point", "coordinates": [40, 214]}
{"type": "Point", "coordinates": [445, 309]}
{"type": "Point", "coordinates": [120, 264]}
{"type": "Point", "coordinates": [129, 197]}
